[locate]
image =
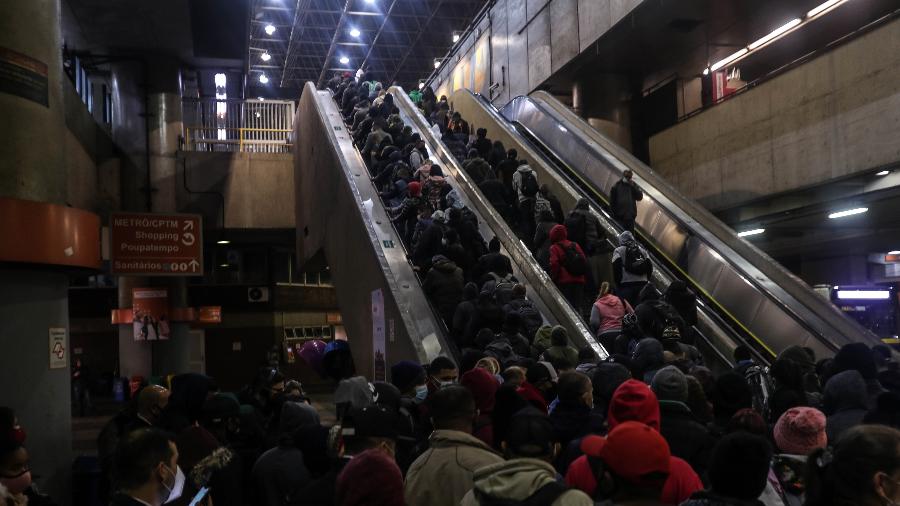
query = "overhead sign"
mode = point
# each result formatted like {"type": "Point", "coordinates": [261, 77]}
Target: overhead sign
{"type": "Point", "coordinates": [156, 244]}
{"type": "Point", "coordinates": [59, 350]}
{"type": "Point", "coordinates": [151, 307]}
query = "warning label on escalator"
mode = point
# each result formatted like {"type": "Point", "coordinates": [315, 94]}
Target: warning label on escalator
{"type": "Point", "coordinates": [23, 76]}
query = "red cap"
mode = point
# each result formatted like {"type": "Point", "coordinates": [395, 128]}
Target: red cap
{"type": "Point", "coordinates": [634, 401]}
{"type": "Point", "coordinates": [414, 188]}
{"type": "Point", "coordinates": [632, 451]}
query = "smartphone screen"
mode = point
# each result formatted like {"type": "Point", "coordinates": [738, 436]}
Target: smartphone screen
{"type": "Point", "coordinates": [199, 496]}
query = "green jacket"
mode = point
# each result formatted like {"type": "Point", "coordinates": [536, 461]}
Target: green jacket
{"type": "Point", "coordinates": [519, 479]}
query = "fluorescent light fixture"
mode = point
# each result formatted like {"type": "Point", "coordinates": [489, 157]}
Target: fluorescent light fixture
{"type": "Point", "coordinates": [562, 128]}
{"type": "Point", "coordinates": [344, 60]}
{"type": "Point", "coordinates": [455, 37]}
{"type": "Point", "coordinates": [263, 79]}
{"type": "Point", "coordinates": [883, 173]}
{"type": "Point", "coordinates": [748, 233]}
{"type": "Point", "coordinates": [864, 294]}
{"type": "Point", "coordinates": [370, 1]}
{"type": "Point", "coordinates": [895, 252]}
{"type": "Point", "coordinates": [220, 80]}
{"type": "Point", "coordinates": [224, 265]}
{"type": "Point", "coordinates": [270, 29]}
{"type": "Point", "coordinates": [823, 8]}
{"type": "Point", "coordinates": [223, 241]}
{"type": "Point", "coordinates": [437, 64]}
{"type": "Point", "coordinates": [732, 57]}
{"type": "Point", "coordinates": [265, 56]}
{"type": "Point", "coordinates": [354, 32]}
{"type": "Point", "coordinates": [778, 32]}
{"type": "Point", "coordinates": [848, 212]}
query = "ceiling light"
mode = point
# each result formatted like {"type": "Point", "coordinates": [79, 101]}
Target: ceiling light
{"type": "Point", "coordinates": [263, 79]}
{"type": "Point", "coordinates": [258, 115]}
{"type": "Point", "coordinates": [370, 1]}
{"type": "Point", "coordinates": [706, 71]}
{"type": "Point", "coordinates": [848, 212]}
{"type": "Point", "coordinates": [732, 57]}
{"type": "Point", "coordinates": [883, 173]}
{"type": "Point", "coordinates": [823, 8]}
{"type": "Point", "coordinates": [455, 37]}
{"type": "Point", "coordinates": [354, 32]}
{"type": "Point", "coordinates": [224, 266]}
{"type": "Point", "coordinates": [864, 294]}
{"type": "Point", "coordinates": [260, 99]}
{"type": "Point", "coordinates": [265, 56]}
{"type": "Point", "coordinates": [421, 85]}
{"type": "Point", "coordinates": [270, 29]}
{"type": "Point", "coordinates": [895, 252]}
{"type": "Point", "coordinates": [437, 64]}
{"type": "Point", "coordinates": [778, 32]}
{"type": "Point", "coordinates": [223, 241]}
{"type": "Point", "coordinates": [344, 60]}
{"type": "Point", "coordinates": [220, 80]}
{"type": "Point", "coordinates": [562, 128]}
{"type": "Point", "coordinates": [748, 233]}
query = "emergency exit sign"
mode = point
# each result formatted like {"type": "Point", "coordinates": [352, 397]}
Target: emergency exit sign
{"type": "Point", "coordinates": [145, 244]}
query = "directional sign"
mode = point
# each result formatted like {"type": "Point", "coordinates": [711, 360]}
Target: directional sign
{"type": "Point", "coordinates": [59, 352]}
{"type": "Point", "coordinates": [156, 244]}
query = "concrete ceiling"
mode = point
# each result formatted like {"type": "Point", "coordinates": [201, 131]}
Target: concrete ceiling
{"type": "Point", "coordinates": [398, 40]}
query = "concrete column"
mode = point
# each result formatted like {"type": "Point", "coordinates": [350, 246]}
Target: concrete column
{"type": "Point", "coordinates": [135, 357]}
{"type": "Point", "coordinates": [31, 302]}
{"type": "Point", "coordinates": [174, 355]}
{"type": "Point", "coordinates": [164, 107]}
{"type": "Point", "coordinates": [605, 102]}
{"type": "Point", "coordinates": [32, 158]}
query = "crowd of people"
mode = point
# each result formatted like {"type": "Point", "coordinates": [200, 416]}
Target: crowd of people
{"type": "Point", "coordinates": [520, 416]}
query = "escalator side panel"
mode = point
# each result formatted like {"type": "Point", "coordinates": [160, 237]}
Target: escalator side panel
{"type": "Point", "coordinates": [338, 211]}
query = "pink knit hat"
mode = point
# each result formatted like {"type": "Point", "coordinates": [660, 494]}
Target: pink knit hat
{"type": "Point", "coordinates": [799, 431]}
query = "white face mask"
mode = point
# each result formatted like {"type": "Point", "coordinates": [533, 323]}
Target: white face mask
{"type": "Point", "coordinates": [177, 488]}
{"type": "Point", "coordinates": [421, 393]}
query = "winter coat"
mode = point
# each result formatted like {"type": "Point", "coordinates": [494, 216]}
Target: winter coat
{"type": "Point", "coordinates": [556, 354]}
{"type": "Point", "coordinates": [594, 237]}
{"type": "Point", "coordinates": [429, 244]}
{"type": "Point", "coordinates": [444, 286]}
{"type": "Point", "coordinates": [505, 171]}
{"type": "Point", "coordinates": [451, 461]}
{"type": "Point", "coordinates": [495, 193]}
{"type": "Point", "coordinates": [498, 263]}
{"type": "Point", "coordinates": [687, 437]}
{"type": "Point", "coordinates": [619, 256]}
{"type": "Point", "coordinates": [684, 301]}
{"type": "Point", "coordinates": [373, 140]}
{"type": "Point", "coordinates": [541, 243]}
{"type": "Point", "coordinates": [680, 485]}
{"type": "Point", "coordinates": [844, 402]}
{"type": "Point", "coordinates": [623, 200]}
{"type": "Point", "coordinates": [570, 421]}
{"type": "Point", "coordinates": [787, 481]}
{"type": "Point", "coordinates": [607, 313]}
{"type": "Point", "coordinates": [483, 146]}
{"type": "Point", "coordinates": [558, 273]}
{"type": "Point", "coordinates": [705, 498]}
{"type": "Point", "coordinates": [517, 181]}
{"type": "Point", "coordinates": [517, 480]}
{"type": "Point", "coordinates": [478, 169]}
{"type": "Point", "coordinates": [465, 314]}
{"type": "Point", "coordinates": [279, 473]}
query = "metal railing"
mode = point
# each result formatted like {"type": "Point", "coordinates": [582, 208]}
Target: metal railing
{"type": "Point", "coordinates": [258, 126]}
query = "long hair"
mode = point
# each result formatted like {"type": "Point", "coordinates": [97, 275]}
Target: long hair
{"type": "Point", "coordinates": [604, 289]}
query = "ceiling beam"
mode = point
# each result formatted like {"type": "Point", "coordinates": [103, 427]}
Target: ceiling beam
{"type": "Point", "coordinates": [418, 37]}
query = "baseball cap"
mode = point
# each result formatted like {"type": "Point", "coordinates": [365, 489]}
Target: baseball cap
{"type": "Point", "coordinates": [633, 451]}
{"type": "Point", "coordinates": [370, 421]}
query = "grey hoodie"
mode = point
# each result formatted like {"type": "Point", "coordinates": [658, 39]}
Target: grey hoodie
{"type": "Point", "coordinates": [517, 181]}
{"type": "Point", "coordinates": [619, 254]}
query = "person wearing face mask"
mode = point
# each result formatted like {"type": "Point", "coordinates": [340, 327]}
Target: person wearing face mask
{"type": "Point", "coordinates": [146, 470]}
{"type": "Point", "coordinates": [623, 200]}
{"type": "Point", "coordinates": [16, 488]}
{"type": "Point", "coordinates": [441, 372]}
{"type": "Point", "coordinates": [411, 379]}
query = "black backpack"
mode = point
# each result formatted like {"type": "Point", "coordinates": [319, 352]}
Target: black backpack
{"type": "Point", "coordinates": [576, 224]}
{"type": "Point", "coordinates": [573, 261]}
{"type": "Point", "coordinates": [636, 262]}
{"type": "Point", "coordinates": [529, 184]}
{"type": "Point", "coordinates": [544, 496]}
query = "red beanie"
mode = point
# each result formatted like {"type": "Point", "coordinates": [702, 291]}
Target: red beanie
{"type": "Point", "coordinates": [634, 401]}
{"type": "Point", "coordinates": [372, 478]}
{"type": "Point", "coordinates": [414, 189]}
{"type": "Point", "coordinates": [632, 451]}
{"type": "Point", "coordinates": [483, 386]}
{"type": "Point", "coordinates": [799, 431]}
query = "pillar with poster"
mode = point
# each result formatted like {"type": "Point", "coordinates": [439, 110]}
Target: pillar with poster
{"type": "Point", "coordinates": [150, 307]}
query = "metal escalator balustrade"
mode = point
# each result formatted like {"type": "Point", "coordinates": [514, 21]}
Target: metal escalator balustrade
{"type": "Point", "coordinates": [768, 303]}
{"type": "Point", "coordinates": [541, 289]}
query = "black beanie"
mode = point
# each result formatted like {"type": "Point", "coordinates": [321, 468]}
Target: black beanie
{"type": "Point", "coordinates": [739, 466]}
{"type": "Point", "coordinates": [732, 393]}
{"type": "Point", "coordinates": [856, 356]}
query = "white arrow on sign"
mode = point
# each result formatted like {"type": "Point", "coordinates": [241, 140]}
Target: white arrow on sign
{"type": "Point", "coordinates": [194, 265]}
{"type": "Point", "coordinates": [187, 238]}
{"type": "Point", "coordinates": [188, 225]}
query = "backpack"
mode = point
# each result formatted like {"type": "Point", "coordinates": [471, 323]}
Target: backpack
{"type": "Point", "coordinates": [531, 318]}
{"type": "Point", "coordinates": [573, 261]}
{"type": "Point", "coordinates": [529, 186]}
{"type": "Point", "coordinates": [760, 387]}
{"type": "Point", "coordinates": [503, 352]}
{"type": "Point", "coordinates": [576, 224]}
{"type": "Point", "coordinates": [544, 496]}
{"type": "Point", "coordinates": [636, 262]}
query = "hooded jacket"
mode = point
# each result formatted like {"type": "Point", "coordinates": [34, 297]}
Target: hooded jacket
{"type": "Point", "coordinates": [623, 199]}
{"type": "Point", "coordinates": [680, 485]}
{"type": "Point", "coordinates": [517, 181]}
{"type": "Point", "coordinates": [619, 256]}
{"type": "Point", "coordinates": [607, 313]}
{"type": "Point", "coordinates": [451, 461]}
{"type": "Point", "coordinates": [517, 480]}
{"type": "Point", "coordinates": [444, 286]}
{"type": "Point", "coordinates": [559, 274]}
{"type": "Point", "coordinates": [483, 386]}
{"type": "Point", "coordinates": [844, 402]}
{"type": "Point", "coordinates": [465, 313]}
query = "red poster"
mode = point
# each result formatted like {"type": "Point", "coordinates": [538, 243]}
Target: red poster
{"type": "Point", "coordinates": [151, 318]}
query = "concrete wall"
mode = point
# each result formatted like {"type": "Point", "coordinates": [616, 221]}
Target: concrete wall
{"type": "Point", "coordinates": [836, 115]}
{"type": "Point", "coordinates": [530, 40]}
{"type": "Point", "coordinates": [258, 188]}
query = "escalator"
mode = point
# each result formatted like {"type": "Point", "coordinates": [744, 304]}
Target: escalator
{"type": "Point", "coordinates": [744, 295]}
{"type": "Point", "coordinates": [340, 212]}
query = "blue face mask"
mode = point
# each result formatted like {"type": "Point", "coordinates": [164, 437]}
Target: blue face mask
{"type": "Point", "coordinates": [421, 393]}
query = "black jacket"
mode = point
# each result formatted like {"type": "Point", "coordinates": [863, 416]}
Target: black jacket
{"type": "Point", "coordinates": [444, 286]}
{"type": "Point", "coordinates": [687, 437]}
{"type": "Point", "coordinates": [498, 263]}
{"type": "Point", "coordinates": [623, 200]}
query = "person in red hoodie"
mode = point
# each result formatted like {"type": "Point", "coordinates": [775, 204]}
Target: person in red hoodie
{"type": "Point", "coordinates": [483, 386]}
{"type": "Point", "coordinates": [634, 401]}
{"type": "Point", "coordinates": [568, 266]}
{"type": "Point", "coordinates": [539, 386]}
